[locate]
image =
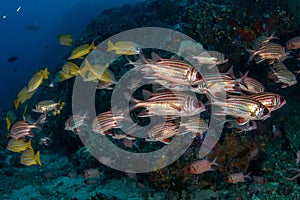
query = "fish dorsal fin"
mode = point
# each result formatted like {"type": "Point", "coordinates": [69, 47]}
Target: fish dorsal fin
{"type": "Point", "coordinates": [143, 58]}
{"type": "Point", "coordinates": [231, 72]}
{"type": "Point", "coordinates": [155, 57]}
{"type": "Point", "coordinates": [146, 94]}
{"type": "Point", "coordinates": [243, 77]}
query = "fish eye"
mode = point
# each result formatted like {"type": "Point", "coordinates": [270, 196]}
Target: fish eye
{"type": "Point", "coordinates": [281, 99]}
{"type": "Point", "coordinates": [198, 76]}
{"type": "Point", "coordinates": [265, 112]}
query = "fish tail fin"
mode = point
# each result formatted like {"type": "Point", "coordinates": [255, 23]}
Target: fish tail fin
{"type": "Point", "coordinates": [110, 46]}
{"type": "Point", "coordinates": [214, 162]}
{"type": "Point", "coordinates": [45, 73]}
{"type": "Point", "coordinates": [231, 72]}
{"type": "Point", "coordinates": [132, 101]}
{"type": "Point", "coordinates": [40, 121]}
{"type": "Point", "coordinates": [85, 68]}
{"type": "Point", "coordinates": [248, 176]}
{"type": "Point", "coordinates": [16, 103]}
{"type": "Point", "coordinates": [251, 54]}
{"type": "Point", "coordinates": [92, 46]}
{"type": "Point", "coordinates": [37, 158]}
{"type": "Point", "coordinates": [29, 146]}
{"type": "Point", "coordinates": [241, 79]}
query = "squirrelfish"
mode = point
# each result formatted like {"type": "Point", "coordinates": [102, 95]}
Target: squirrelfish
{"type": "Point", "coordinates": [244, 108]}
{"type": "Point", "coordinates": [269, 51]}
{"type": "Point", "coordinates": [81, 51]}
{"type": "Point", "coordinates": [271, 100]}
{"type": "Point", "coordinates": [282, 75]}
{"type": "Point", "coordinates": [201, 166]}
{"type": "Point", "coordinates": [29, 158]}
{"type": "Point", "coordinates": [65, 39]}
{"type": "Point", "coordinates": [211, 58]}
{"type": "Point", "coordinates": [124, 47]}
{"type": "Point", "coordinates": [162, 132]}
{"type": "Point", "coordinates": [106, 121]}
{"type": "Point", "coordinates": [237, 177]}
{"type": "Point", "coordinates": [74, 122]}
{"type": "Point", "coordinates": [195, 126]}
{"type": "Point", "coordinates": [173, 70]}
{"type": "Point", "coordinates": [251, 85]}
{"type": "Point", "coordinates": [168, 103]}
{"type": "Point", "coordinates": [37, 80]}
{"type": "Point", "coordinates": [19, 145]}
{"type": "Point", "coordinates": [262, 40]}
{"type": "Point", "coordinates": [22, 128]}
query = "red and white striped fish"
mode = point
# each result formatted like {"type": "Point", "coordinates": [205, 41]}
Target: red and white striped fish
{"type": "Point", "coordinates": [106, 121]}
{"type": "Point", "coordinates": [269, 51]}
{"type": "Point", "coordinates": [21, 129]}
{"type": "Point", "coordinates": [282, 75]}
{"type": "Point", "coordinates": [194, 125]}
{"type": "Point", "coordinates": [163, 132]}
{"type": "Point", "coordinates": [168, 103]}
{"type": "Point", "coordinates": [173, 70]}
{"type": "Point", "coordinates": [272, 101]}
{"type": "Point", "coordinates": [250, 85]}
{"type": "Point", "coordinates": [244, 108]}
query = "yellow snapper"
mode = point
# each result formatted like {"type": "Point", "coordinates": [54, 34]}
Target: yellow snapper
{"type": "Point", "coordinates": [81, 51]}
{"type": "Point", "coordinates": [19, 145]}
{"type": "Point", "coordinates": [10, 119]}
{"type": "Point", "coordinates": [93, 73]}
{"type": "Point", "coordinates": [29, 158]}
{"type": "Point", "coordinates": [124, 47]}
{"type": "Point", "coordinates": [23, 95]}
{"type": "Point", "coordinates": [61, 76]}
{"type": "Point", "coordinates": [71, 68]}
{"type": "Point", "coordinates": [65, 39]}
{"type": "Point", "coordinates": [37, 80]}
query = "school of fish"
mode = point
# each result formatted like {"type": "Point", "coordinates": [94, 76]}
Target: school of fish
{"type": "Point", "coordinates": [170, 97]}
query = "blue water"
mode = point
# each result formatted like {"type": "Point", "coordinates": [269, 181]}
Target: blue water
{"type": "Point", "coordinates": [37, 49]}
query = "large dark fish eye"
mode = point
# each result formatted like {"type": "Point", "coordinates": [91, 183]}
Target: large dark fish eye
{"type": "Point", "coordinates": [265, 112]}
{"type": "Point", "coordinates": [281, 99]}
{"type": "Point", "coordinates": [198, 76]}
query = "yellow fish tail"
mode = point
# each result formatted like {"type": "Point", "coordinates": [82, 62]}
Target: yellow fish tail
{"type": "Point", "coordinates": [85, 68]}
{"type": "Point", "coordinates": [92, 46]}
{"type": "Point", "coordinates": [29, 146]}
{"type": "Point", "coordinates": [16, 103]}
{"type": "Point", "coordinates": [110, 46]}
{"type": "Point", "coordinates": [37, 158]}
{"type": "Point", "coordinates": [45, 73]}
{"type": "Point", "coordinates": [8, 124]}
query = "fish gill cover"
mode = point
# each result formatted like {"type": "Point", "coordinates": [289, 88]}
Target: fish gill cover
{"type": "Point", "coordinates": [163, 100]}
